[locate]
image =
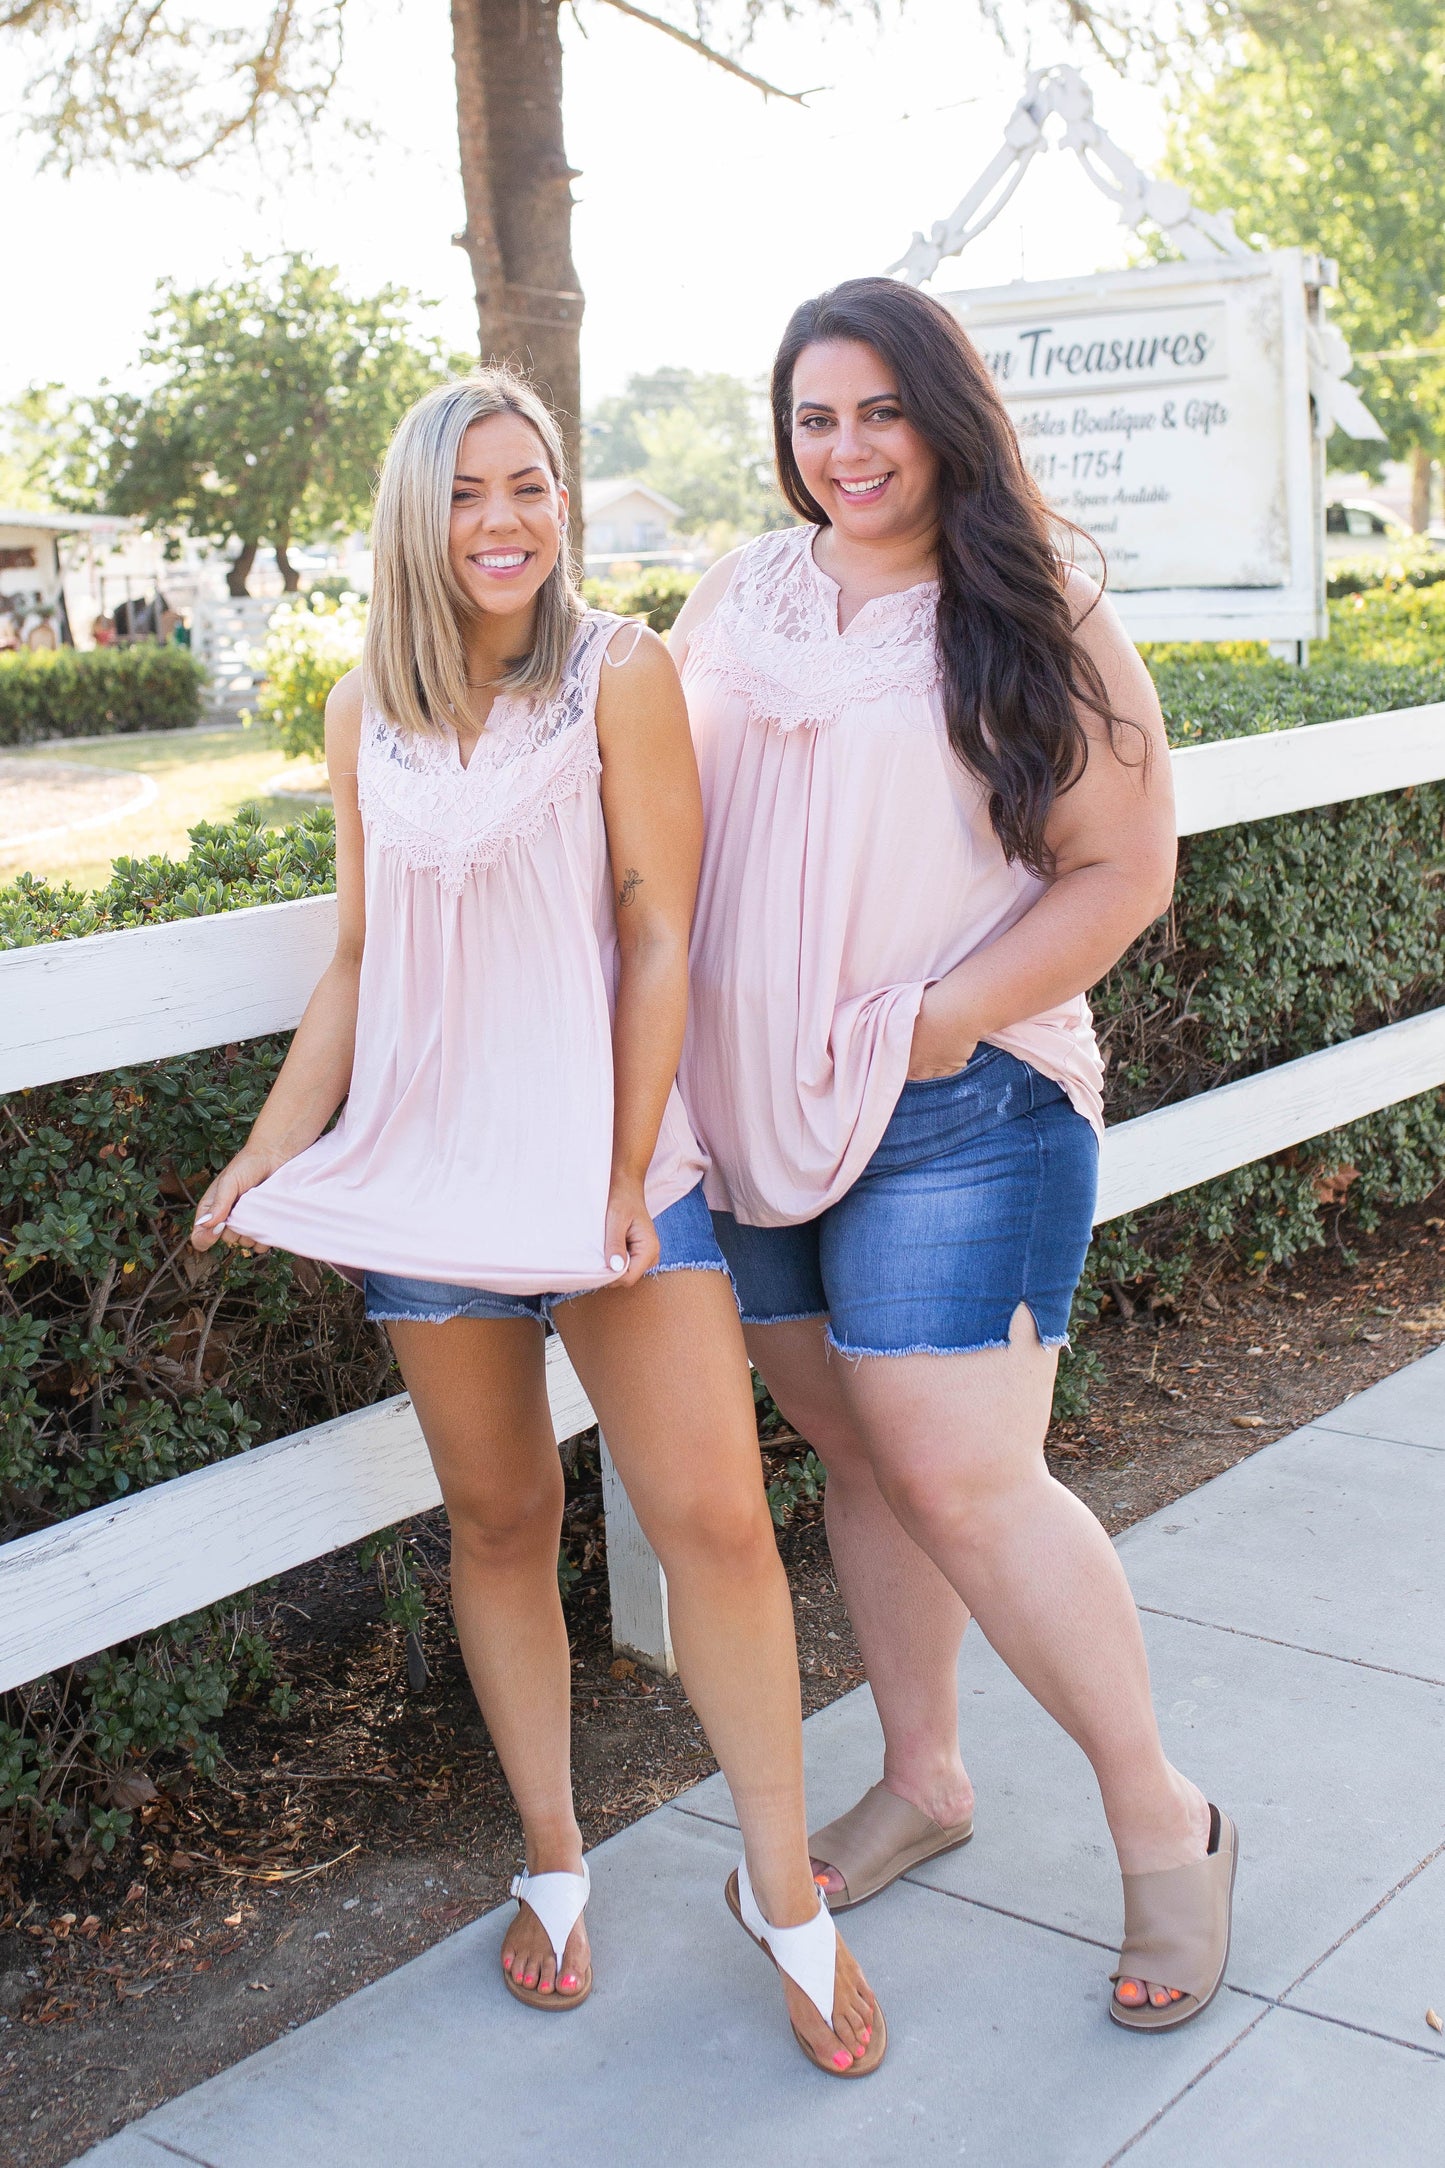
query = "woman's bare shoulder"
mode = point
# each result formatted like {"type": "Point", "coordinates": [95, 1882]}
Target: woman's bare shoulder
{"type": "Point", "coordinates": [703, 600]}
{"type": "Point", "coordinates": [343, 722]}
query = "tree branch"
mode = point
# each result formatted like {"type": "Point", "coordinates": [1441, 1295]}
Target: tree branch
{"type": "Point", "coordinates": [708, 52]}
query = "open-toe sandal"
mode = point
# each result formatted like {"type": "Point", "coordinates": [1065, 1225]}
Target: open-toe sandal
{"type": "Point", "coordinates": [809, 1957]}
{"type": "Point", "coordinates": [1176, 1932]}
{"type": "Point", "coordinates": [558, 1900]}
{"type": "Point", "coordinates": [878, 1840]}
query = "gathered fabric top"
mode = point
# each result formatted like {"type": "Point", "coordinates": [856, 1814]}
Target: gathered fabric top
{"type": "Point", "coordinates": [849, 861]}
{"type": "Point", "coordinates": [475, 1145]}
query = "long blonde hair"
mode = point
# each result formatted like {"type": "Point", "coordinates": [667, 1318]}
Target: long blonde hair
{"type": "Point", "coordinates": [413, 663]}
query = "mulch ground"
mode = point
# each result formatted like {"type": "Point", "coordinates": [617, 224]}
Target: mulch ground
{"type": "Point", "coordinates": [336, 1844]}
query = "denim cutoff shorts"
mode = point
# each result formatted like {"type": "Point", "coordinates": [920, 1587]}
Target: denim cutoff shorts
{"type": "Point", "coordinates": [979, 1197]}
{"type": "Point", "coordinates": [684, 1231]}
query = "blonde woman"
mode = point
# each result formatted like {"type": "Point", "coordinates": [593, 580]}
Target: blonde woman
{"type": "Point", "coordinates": [518, 830]}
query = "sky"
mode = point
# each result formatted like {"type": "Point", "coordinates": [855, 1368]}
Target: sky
{"type": "Point", "coordinates": [704, 212]}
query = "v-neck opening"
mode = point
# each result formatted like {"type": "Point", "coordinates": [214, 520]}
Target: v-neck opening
{"type": "Point", "coordinates": [833, 595]}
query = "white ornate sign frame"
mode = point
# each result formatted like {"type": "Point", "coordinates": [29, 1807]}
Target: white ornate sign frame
{"type": "Point", "coordinates": [1179, 411]}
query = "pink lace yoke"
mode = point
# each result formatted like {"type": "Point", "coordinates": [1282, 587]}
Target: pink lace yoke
{"type": "Point", "coordinates": [849, 861]}
{"type": "Point", "coordinates": [476, 1141]}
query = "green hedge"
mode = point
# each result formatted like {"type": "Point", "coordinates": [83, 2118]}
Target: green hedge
{"type": "Point", "coordinates": [658, 595]}
{"type": "Point", "coordinates": [67, 693]}
{"type": "Point", "coordinates": [1414, 564]}
{"type": "Point", "coordinates": [124, 1359]}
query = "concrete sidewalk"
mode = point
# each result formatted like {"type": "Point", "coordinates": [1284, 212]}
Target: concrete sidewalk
{"type": "Point", "coordinates": [1297, 1636]}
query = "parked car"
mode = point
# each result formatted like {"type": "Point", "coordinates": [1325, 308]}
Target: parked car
{"type": "Point", "coordinates": [1356, 528]}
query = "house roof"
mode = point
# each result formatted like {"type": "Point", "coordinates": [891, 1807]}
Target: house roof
{"type": "Point", "coordinates": [597, 496]}
{"type": "Point", "coordinates": [49, 522]}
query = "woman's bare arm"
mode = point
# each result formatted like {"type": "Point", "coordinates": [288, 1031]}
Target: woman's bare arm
{"type": "Point", "coordinates": [316, 1073]}
{"type": "Point", "coordinates": [1113, 844]}
{"type": "Point", "coordinates": [652, 805]}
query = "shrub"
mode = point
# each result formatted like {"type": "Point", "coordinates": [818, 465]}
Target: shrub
{"type": "Point", "coordinates": [308, 646]}
{"type": "Point", "coordinates": [1392, 625]}
{"type": "Point", "coordinates": [125, 1359]}
{"type": "Point", "coordinates": [69, 694]}
{"type": "Point", "coordinates": [658, 595]}
{"type": "Point", "coordinates": [1414, 564]}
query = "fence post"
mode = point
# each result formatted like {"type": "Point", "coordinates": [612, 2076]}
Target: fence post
{"type": "Point", "coordinates": [635, 1580]}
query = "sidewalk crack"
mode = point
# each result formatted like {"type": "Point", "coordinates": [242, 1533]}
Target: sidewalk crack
{"type": "Point", "coordinates": [178, 2152]}
{"type": "Point", "coordinates": [1213, 2064]}
{"type": "Point", "coordinates": [1370, 1438]}
{"type": "Point", "coordinates": [1301, 1648]}
{"type": "Point", "coordinates": [1364, 1921]}
{"type": "Point", "coordinates": [697, 1814]}
{"type": "Point", "coordinates": [1024, 1919]}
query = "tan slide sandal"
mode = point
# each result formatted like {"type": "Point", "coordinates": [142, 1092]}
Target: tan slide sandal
{"type": "Point", "coordinates": [558, 1900]}
{"type": "Point", "coordinates": [878, 1840]}
{"type": "Point", "coordinates": [1176, 1933]}
{"type": "Point", "coordinates": [809, 1956]}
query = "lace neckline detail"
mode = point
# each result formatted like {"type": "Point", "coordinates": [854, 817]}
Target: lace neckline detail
{"type": "Point", "coordinates": [452, 818]}
{"type": "Point", "coordinates": [774, 639]}
{"type": "Point", "coordinates": [876, 609]}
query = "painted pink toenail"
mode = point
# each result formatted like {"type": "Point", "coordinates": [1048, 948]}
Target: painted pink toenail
{"type": "Point", "coordinates": [842, 2061]}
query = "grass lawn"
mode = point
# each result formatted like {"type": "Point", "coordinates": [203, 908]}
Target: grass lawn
{"type": "Point", "coordinates": [200, 775]}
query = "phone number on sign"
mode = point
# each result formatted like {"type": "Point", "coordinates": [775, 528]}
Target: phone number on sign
{"type": "Point", "coordinates": [1075, 466]}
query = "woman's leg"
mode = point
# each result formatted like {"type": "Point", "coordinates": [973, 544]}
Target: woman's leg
{"type": "Point", "coordinates": [908, 1620]}
{"type": "Point", "coordinates": [663, 1364]}
{"type": "Point", "coordinates": [956, 1442]}
{"type": "Point", "coordinates": [479, 1389]}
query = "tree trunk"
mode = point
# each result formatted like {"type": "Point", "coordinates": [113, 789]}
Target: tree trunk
{"type": "Point", "coordinates": [290, 577]}
{"type": "Point", "coordinates": [1422, 471]}
{"type": "Point", "coordinates": [517, 187]}
{"type": "Point", "coordinates": [239, 569]}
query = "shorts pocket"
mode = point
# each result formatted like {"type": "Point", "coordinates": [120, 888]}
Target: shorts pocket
{"type": "Point", "coordinates": [979, 1059]}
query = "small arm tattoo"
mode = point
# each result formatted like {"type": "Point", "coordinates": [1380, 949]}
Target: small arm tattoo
{"type": "Point", "coordinates": [631, 882]}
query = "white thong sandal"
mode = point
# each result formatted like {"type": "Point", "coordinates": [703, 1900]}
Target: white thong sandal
{"type": "Point", "coordinates": [558, 1901]}
{"type": "Point", "coordinates": [809, 1956]}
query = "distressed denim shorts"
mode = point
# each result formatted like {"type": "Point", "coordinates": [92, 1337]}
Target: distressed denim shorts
{"type": "Point", "coordinates": [684, 1231]}
{"type": "Point", "coordinates": [979, 1197]}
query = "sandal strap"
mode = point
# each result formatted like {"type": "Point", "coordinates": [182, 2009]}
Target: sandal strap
{"type": "Point", "coordinates": [1176, 1922]}
{"type": "Point", "coordinates": [558, 1901]}
{"type": "Point", "coordinates": [865, 1844]}
{"type": "Point", "coordinates": [807, 1954]}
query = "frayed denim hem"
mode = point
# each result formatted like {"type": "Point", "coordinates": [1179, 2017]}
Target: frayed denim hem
{"type": "Point", "coordinates": [552, 1303]}
{"type": "Point", "coordinates": [789, 1317]}
{"type": "Point", "coordinates": [924, 1347]}
{"type": "Point", "coordinates": [446, 1317]}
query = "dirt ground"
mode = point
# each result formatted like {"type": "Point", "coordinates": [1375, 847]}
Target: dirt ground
{"type": "Point", "coordinates": [374, 1820]}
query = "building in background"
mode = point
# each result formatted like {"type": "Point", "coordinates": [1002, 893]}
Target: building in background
{"type": "Point", "coordinates": [628, 521]}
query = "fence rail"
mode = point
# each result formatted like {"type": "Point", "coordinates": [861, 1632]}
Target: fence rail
{"type": "Point", "coordinates": [74, 1007]}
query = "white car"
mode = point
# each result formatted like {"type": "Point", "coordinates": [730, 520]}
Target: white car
{"type": "Point", "coordinates": [1355, 528]}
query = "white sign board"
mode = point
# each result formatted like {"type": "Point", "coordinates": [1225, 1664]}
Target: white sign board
{"type": "Point", "coordinates": [1167, 412]}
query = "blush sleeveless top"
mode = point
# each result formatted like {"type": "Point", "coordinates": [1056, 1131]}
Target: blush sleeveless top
{"type": "Point", "coordinates": [475, 1146]}
{"type": "Point", "coordinates": [849, 862]}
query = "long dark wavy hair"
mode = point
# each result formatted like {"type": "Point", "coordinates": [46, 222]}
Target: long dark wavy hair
{"type": "Point", "coordinates": [1014, 674]}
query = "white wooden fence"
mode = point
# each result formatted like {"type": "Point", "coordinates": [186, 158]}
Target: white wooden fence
{"type": "Point", "coordinates": [72, 1008]}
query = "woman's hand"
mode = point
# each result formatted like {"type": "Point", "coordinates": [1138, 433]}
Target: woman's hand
{"type": "Point", "coordinates": [631, 1237]}
{"type": "Point", "coordinates": [214, 1210]}
{"type": "Point", "coordinates": [941, 1046]}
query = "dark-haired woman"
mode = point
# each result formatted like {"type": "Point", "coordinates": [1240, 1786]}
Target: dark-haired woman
{"type": "Point", "coordinates": [938, 809]}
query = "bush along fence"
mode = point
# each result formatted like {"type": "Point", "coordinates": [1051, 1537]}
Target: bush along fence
{"type": "Point", "coordinates": [125, 1361]}
{"type": "Point", "coordinates": [100, 692]}
{"type": "Point", "coordinates": [310, 644]}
